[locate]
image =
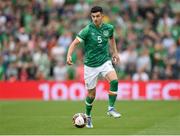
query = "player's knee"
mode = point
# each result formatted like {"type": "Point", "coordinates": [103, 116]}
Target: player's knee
{"type": "Point", "coordinates": [92, 93]}
{"type": "Point", "coordinates": [90, 97]}
{"type": "Point", "coordinates": [114, 85]}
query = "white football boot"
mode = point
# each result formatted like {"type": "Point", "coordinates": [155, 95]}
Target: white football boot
{"type": "Point", "coordinates": [89, 122]}
{"type": "Point", "coordinates": [112, 112]}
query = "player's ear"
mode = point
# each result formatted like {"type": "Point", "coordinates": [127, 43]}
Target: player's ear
{"type": "Point", "coordinates": [102, 15]}
{"type": "Point", "coordinates": [91, 16]}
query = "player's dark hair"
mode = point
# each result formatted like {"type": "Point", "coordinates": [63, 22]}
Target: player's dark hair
{"type": "Point", "coordinates": [96, 9]}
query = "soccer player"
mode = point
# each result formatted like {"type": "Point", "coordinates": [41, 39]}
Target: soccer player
{"type": "Point", "coordinates": [96, 37]}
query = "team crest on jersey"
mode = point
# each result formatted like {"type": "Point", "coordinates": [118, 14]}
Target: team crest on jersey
{"type": "Point", "coordinates": [106, 33]}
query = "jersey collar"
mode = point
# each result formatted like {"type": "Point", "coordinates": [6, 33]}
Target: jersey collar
{"type": "Point", "coordinates": [96, 26]}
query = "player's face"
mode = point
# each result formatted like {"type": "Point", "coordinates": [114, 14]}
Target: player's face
{"type": "Point", "coordinates": [97, 18]}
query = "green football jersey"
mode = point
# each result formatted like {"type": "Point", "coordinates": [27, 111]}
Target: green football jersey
{"type": "Point", "coordinates": [96, 43]}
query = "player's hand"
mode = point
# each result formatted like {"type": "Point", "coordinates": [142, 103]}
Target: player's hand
{"type": "Point", "coordinates": [116, 59]}
{"type": "Point", "coordinates": [69, 60]}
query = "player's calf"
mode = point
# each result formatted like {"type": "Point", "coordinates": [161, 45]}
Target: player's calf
{"type": "Point", "coordinates": [113, 92]}
{"type": "Point", "coordinates": [112, 99]}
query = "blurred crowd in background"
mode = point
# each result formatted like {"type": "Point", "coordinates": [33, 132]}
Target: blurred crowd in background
{"type": "Point", "coordinates": [35, 36]}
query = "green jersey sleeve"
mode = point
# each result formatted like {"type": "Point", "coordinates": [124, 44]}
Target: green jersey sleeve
{"type": "Point", "coordinates": [111, 31]}
{"type": "Point", "coordinates": [82, 35]}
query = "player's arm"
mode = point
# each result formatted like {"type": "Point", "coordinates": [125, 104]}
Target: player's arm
{"type": "Point", "coordinates": [115, 55]}
{"type": "Point", "coordinates": [72, 47]}
{"type": "Point", "coordinates": [79, 38]}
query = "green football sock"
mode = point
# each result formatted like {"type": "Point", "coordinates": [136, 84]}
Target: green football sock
{"type": "Point", "coordinates": [112, 99]}
{"type": "Point", "coordinates": [113, 92]}
{"type": "Point", "coordinates": [89, 101]}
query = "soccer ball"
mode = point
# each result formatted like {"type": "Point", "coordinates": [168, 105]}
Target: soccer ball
{"type": "Point", "coordinates": [79, 120]}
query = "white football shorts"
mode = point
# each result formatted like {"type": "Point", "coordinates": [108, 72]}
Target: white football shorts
{"type": "Point", "coordinates": [91, 73]}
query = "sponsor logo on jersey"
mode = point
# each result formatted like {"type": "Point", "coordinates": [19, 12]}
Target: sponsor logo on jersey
{"type": "Point", "coordinates": [92, 33]}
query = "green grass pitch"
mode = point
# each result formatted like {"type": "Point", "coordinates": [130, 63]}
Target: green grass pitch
{"type": "Point", "coordinates": [55, 117]}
